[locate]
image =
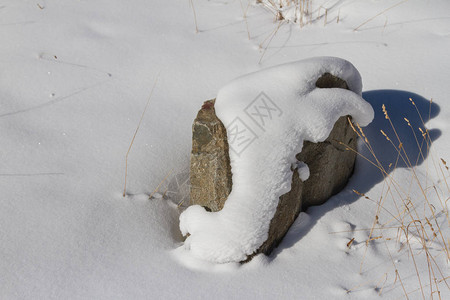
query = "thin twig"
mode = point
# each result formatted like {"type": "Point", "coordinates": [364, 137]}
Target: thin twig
{"type": "Point", "coordinates": [270, 40]}
{"type": "Point", "coordinates": [195, 15]}
{"type": "Point", "coordinates": [159, 185]}
{"type": "Point", "coordinates": [134, 136]}
{"type": "Point", "coordinates": [364, 23]}
{"type": "Point", "coordinates": [244, 15]}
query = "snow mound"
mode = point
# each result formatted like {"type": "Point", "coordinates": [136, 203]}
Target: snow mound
{"type": "Point", "coordinates": [268, 115]}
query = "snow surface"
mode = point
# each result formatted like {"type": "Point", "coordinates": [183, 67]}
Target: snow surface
{"type": "Point", "coordinates": [74, 80]}
{"type": "Point", "coordinates": [293, 110]}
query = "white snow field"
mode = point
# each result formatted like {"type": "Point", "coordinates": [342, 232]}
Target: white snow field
{"type": "Point", "coordinates": [74, 80]}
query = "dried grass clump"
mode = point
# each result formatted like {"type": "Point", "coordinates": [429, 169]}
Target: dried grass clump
{"type": "Point", "coordinates": [416, 229]}
{"type": "Point", "coordinates": [295, 11]}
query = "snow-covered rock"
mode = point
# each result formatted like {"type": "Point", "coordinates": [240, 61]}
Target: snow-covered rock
{"type": "Point", "coordinates": [268, 115]}
{"type": "Point", "coordinates": [326, 164]}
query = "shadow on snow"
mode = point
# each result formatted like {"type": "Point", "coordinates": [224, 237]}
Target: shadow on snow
{"type": "Point", "coordinates": [367, 176]}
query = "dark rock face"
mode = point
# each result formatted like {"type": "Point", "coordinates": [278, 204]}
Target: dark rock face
{"type": "Point", "coordinates": [210, 173]}
{"type": "Point", "coordinates": [329, 163]}
{"type": "Point", "coordinates": [327, 81]}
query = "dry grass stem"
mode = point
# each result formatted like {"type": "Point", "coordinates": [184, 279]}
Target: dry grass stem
{"type": "Point", "coordinates": [414, 223]}
{"type": "Point", "coordinates": [134, 136]}
{"type": "Point", "coordinates": [350, 243]}
{"type": "Point", "coordinates": [270, 40]}
{"type": "Point", "coordinates": [244, 15]}
{"type": "Point", "coordinates": [380, 13]}
{"type": "Point", "coordinates": [159, 185]}
{"type": "Point", "coordinates": [195, 15]}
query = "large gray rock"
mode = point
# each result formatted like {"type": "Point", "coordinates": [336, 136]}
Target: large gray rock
{"type": "Point", "coordinates": [329, 163]}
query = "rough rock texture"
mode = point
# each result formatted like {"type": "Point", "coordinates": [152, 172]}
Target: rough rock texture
{"type": "Point", "coordinates": [210, 173]}
{"type": "Point", "coordinates": [329, 163]}
{"type": "Point", "coordinates": [327, 81]}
